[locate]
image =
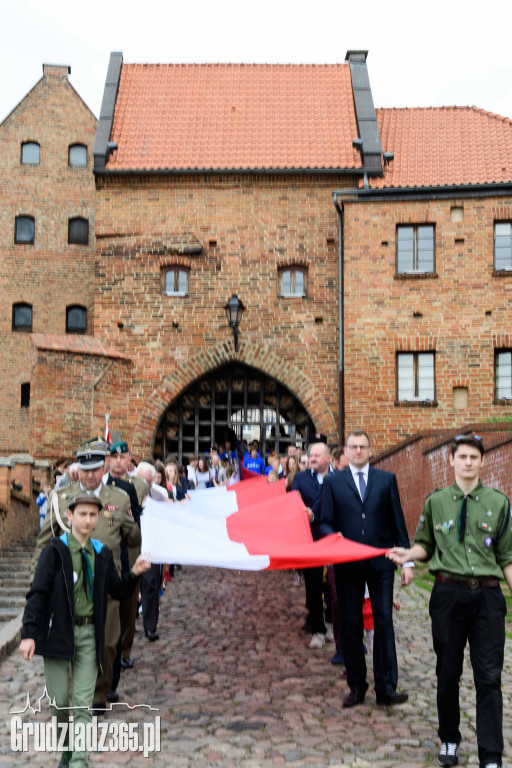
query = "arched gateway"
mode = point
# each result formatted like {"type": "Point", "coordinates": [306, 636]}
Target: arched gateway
{"type": "Point", "coordinates": [237, 397]}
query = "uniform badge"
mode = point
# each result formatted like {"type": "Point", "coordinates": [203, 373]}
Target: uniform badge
{"type": "Point", "coordinates": [445, 528]}
{"type": "Point", "coordinates": [489, 513]}
{"type": "Point", "coordinates": [488, 541]}
{"type": "Point", "coordinates": [483, 525]}
{"type": "Point", "coordinates": [111, 522]}
{"type": "Point", "coordinates": [439, 527]}
{"type": "Point", "coordinates": [106, 512]}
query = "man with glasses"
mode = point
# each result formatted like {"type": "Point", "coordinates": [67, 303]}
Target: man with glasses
{"type": "Point", "coordinates": [363, 504]}
{"type": "Point", "coordinates": [464, 530]}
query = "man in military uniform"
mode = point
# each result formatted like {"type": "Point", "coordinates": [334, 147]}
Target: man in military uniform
{"type": "Point", "coordinates": [137, 489]}
{"type": "Point", "coordinates": [115, 525]}
{"type": "Point", "coordinates": [465, 532]}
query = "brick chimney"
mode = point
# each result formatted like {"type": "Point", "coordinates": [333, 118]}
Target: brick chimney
{"type": "Point", "coordinates": [56, 70]}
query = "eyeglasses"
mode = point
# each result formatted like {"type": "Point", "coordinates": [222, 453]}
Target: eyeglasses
{"type": "Point", "coordinates": [470, 437]}
{"type": "Point", "coordinates": [358, 447]}
{"type": "Point", "coordinates": [303, 462]}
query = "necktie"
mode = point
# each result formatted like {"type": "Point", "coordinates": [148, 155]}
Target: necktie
{"type": "Point", "coordinates": [87, 574]}
{"type": "Point", "coordinates": [362, 485]}
{"type": "Point", "coordinates": [462, 518]}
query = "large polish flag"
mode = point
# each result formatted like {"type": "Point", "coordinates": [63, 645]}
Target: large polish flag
{"type": "Point", "coordinates": [251, 526]}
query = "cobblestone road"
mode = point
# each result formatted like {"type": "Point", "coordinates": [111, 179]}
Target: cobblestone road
{"type": "Point", "coordinates": [237, 685]}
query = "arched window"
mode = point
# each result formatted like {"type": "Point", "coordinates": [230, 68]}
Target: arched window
{"type": "Point", "coordinates": [24, 229]}
{"type": "Point", "coordinates": [77, 156]}
{"type": "Point", "coordinates": [76, 319]}
{"type": "Point", "coordinates": [22, 317]}
{"type": "Point", "coordinates": [175, 281]}
{"type": "Point", "coordinates": [78, 231]}
{"type": "Point", "coordinates": [30, 152]}
{"type": "Point", "coordinates": [292, 282]}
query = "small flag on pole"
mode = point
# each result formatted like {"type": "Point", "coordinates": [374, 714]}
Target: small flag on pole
{"type": "Point", "coordinates": [108, 438]}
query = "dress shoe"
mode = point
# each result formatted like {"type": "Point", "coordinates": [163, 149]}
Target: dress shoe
{"type": "Point", "coordinates": [113, 697]}
{"type": "Point", "coordinates": [354, 697]}
{"type": "Point", "coordinates": [152, 636]}
{"type": "Point", "coordinates": [98, 708]}
{"type": "Point", "coordinates": [338, 657]}
{"type": "Point", "coordinates": [391, 697]}
{"type": "Point", "coordinates": [127, 663]}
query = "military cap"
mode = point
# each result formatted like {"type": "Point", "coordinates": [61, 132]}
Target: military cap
{"type": "Point", "coordinates": [119, 447]}
{"type": "Point", "coordinates": [90, 456]}
{"type": "Point", "coordinates": [84, 496]}
{"type": "Point", "coordinates": [98, 443]}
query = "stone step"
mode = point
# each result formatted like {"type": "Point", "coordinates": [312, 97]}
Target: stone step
{"type": "Point", "coordinates": [17, 591]}
{"type": "Point", "coordinates": [11, 602]}
{"type": "Point", "coordinates": [7, 615]}
{"type": "Point", "coordinates": [9, 584]}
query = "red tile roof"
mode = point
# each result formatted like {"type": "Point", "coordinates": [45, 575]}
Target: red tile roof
{"type": "Point", "coordinates": [77, 344]}
{"type": "Point", "coordinates": [234, 116]}
{"type": "Point", "coordinates": [441, 146]}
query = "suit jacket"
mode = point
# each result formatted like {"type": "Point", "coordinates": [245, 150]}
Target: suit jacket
{"type": "Point", "coordinates": [378, 521]}
{"type": "Point", "coordinates": [306, 483]}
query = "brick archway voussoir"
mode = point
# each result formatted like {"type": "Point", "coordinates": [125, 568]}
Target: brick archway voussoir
{"type": "Point", "coordinates": [256, 356]}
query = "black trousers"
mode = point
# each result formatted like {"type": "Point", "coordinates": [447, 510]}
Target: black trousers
{"type": "Point", "coordinates": [460, 615]}
{"type": "Point", "coordinates": [314, 584]}
{"type": "Point", "coordinates": [150, 595]}
{"type": "Point", "coordinates": [350, 587]}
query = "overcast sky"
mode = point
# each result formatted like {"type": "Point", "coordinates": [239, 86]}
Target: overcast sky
{"type": "Point", "coordinates": [420, 54]}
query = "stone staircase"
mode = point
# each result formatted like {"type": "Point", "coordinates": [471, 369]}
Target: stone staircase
{"type": "Point", "coordinates": [14, 578]}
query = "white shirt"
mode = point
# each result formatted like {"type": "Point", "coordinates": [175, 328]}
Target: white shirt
{"type": "Point", "coordinates": [355, 474]}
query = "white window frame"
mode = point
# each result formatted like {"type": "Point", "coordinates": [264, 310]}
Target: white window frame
{"type": "Point", "coordinates": [293, 293]}
{"type": "Point", "coordinates": [415, 377]}
{"type": "Point", "coordinates": [503, 374]}
{"type": "Point", "coordinates": [177, 272]}
{"type": "Point", "coordinates": [419, 264]}
{"type": "Point", "coordinates": [502, 245]}
{"type": "Point", "coordinates": [31, 144]}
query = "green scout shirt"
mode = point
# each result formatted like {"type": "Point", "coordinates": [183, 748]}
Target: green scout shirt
{"type": "Point", "coordinates": [82, 605]}
{"type": "Point", "coordinates": [477, 556]}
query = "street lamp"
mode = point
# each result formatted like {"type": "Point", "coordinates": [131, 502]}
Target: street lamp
{"type": "Point", "coordinates": [234, 310]}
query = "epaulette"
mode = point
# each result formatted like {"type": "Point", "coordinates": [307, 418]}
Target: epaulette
{"type": "Point", "coordinates": [432, 493]}
{"type": "Point", "coordinates": [498, 491]}
{"type": "Point", "coordinates": [117, 489]}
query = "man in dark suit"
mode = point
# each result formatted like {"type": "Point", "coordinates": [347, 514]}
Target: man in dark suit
{"type": "Point", "coordinates": [363, 504]}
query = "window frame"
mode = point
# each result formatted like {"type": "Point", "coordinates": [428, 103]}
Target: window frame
{"type": "Point", "coordinates": [25, 394]}
{"type": "Point", "coordinates": [509, 267]}
{"type": "Point", "coordinates": [417, 397]}
{"type": "Point", "coordinates": [176, 269]}
{"type": "Point", "coordinates": [17, 219]}
{"type": "Point", "coordinates": [22, 328]}
{"type": "Point", "coordinates": [71, 221]}
{"type": "Point", "coordinates": [34, 144]}
{"type": "Point", "coordinates": [293, 269]}
{"type": "Point", "coordinates": [497, 353]}
{"type": "Point", "coordinates": [69, 329]}
{"type": "Point", "coordinates": [76, 165]}
{"type": "Point", "coordinates": [415, 250]}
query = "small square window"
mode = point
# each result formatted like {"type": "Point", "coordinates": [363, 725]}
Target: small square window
{"type": "Point", "coordinates": [25, 395]}
{"type": "Point", "coordinates": [415, 376]}
{"type": "Point", "coordinates": [176, 282]}
{"type": "Point", "coordinates": [22, 317]}
{"type": "Point", "coordinates": [78, 232]}
{"type": "Point", "coordinates": [415, 249]}
{"type": "Point", "coordinates": [24, 229]}
{"type": "Point", "coordinates": [77, 156]}
{"type": "Point", "coordinates": [30, 152]}
{"type": "Point", "coordinates": [76, 320]}
{"type": "Point", "coordinates": [292, 282]}
{"type": "Point", "coordinates": [503, 245]}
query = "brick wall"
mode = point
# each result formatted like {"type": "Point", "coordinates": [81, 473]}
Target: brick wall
{"type": "Point", "coordinates": [19, 515]}
{"type": "Point", "coordinates": [464, 314]}
{"type": "Point", "coordinates": [421, 464]}
{"type": "Point", "coordinates": [50, 274]}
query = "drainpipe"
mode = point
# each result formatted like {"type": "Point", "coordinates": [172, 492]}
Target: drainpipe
{"type": "Point", "coordinates": [341, 374]}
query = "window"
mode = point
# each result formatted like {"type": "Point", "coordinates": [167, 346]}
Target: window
{"type": "Point", "coordinates": [292, 282]}
{"type": "Point", "coordinates": [24, 229]}
{"type": "Point", "coordinates": [77, 156]}
{"type": "Point", "coordinates": [76, 319]}
{"type": "Point", "coordinates": [78, 231]}
{"type": "Point", "coordinates": [503, 245]}
{"type": "Point", "coordinates": [22, 317]}
{"type": "Point", "coordinates": [415, 376]}
{"type": "Point", "coordinates": [30, 153]}
{"type": "Point", "coordinates": [25, 395]}
{"type": "Point", "coordinates": [503, 374]}
{"type": "Point", "coordinates": [176, 281]}
{"type": "Point", "coordinates": [415, 249]}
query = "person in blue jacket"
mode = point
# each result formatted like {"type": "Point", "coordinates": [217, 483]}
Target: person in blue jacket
{"type": "Point", "coordinates": [253, 461]}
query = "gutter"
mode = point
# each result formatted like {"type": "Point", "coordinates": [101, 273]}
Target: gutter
{"type": "Point", "coordinates": [419, 193]}
{"type": "Point", "coordinates": [341, 338]}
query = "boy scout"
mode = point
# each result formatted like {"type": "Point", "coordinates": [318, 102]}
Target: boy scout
{"type": "Point", "coordinates": [115, 526]}
{"type": "Point", "coordinates": [64, 618]}
{"type": "Point", "coordinates": [465, 532]}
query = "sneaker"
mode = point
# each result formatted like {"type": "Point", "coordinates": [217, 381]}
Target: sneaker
{"type": "Point", "coordinates": [297, 579]}
{"type": "Point", "coordinates": [329, 635]}
{"type": "Point", "coordinates": [317, 641]}
{"type": "Point", "coordinates": [338, 657]}
{"type": "Point", "coordinates": [492, 765]}
{"type": "Point", "coordinates": [448, 754]}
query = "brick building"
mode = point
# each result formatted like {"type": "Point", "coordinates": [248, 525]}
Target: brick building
{"type": "Point", "coordinates": [214, 180]}
{"type": "Point", "coordinates": [47, 242]}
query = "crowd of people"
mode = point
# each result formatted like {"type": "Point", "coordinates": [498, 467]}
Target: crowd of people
{"type": "Point", "coordinates": [90, 540]}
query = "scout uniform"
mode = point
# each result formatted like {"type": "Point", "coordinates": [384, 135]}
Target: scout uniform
{"type": "Point", "coordinates": [468, 541]}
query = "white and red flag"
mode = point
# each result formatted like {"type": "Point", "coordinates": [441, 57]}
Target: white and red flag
{"type": "Point", "coordinates": [108, 437]}
{"type": "Point", "coordinates": [251, 526]}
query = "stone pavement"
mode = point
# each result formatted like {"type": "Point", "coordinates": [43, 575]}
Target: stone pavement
{"type": "Point", "coordinates": [237, 685]}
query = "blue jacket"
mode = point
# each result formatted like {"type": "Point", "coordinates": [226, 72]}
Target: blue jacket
{"type": "Point", "coordinates": [254, 465]}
